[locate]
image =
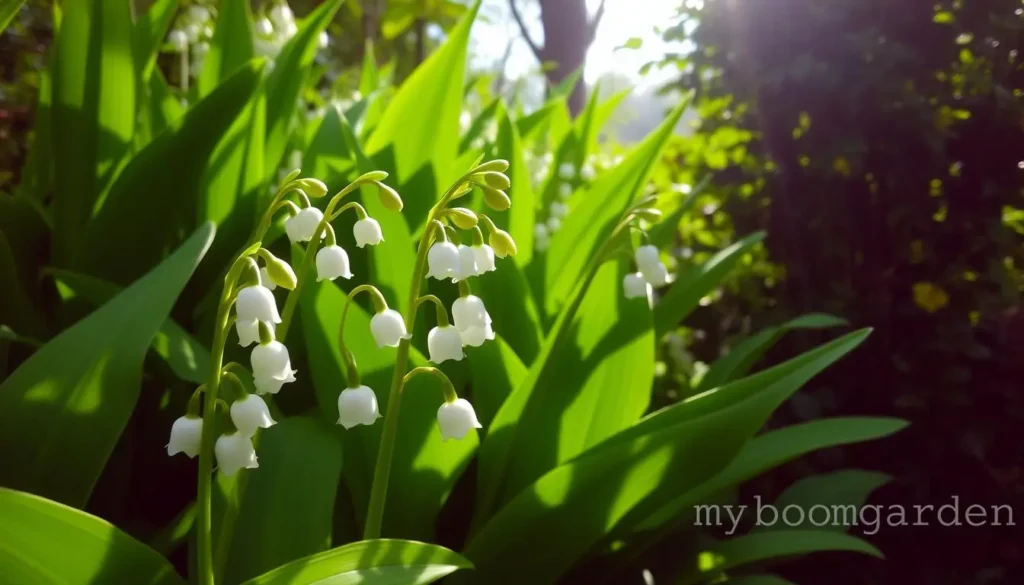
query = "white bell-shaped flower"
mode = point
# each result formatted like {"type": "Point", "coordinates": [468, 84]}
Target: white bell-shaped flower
{"type": "Point", "coordinates": [324, 41]}
{"type": "Point", "coordinates": [484, 255]}
{"type": "Point", "coordinates": [647, 257]}
{"type": "Point", "coordinates": [251, 413]}
{"type": "Point", "coordinates": [192, 32]}
{"type": "Point", "coordinates": [541, 237]}
{"type": "Point", "coordinates": [566, 171]}
{"type": "Point", "coordinates": [264, 27]}
{"type": "Point", "coordinates": [281, 15]}
{"type": "Point", "coordinates": [234, 451]}
{"type": "Point", "coordinates": [265, 279]}
{"type": "Point", "coordinates": [249, 332]}
{"type": "Point", "coordinates": [564, 191]}
{"type": "Point", "coordinates": [443, 261]}
{"type": "Point", "coordinates": [558, 209]}
{"type": "Point", "coordinates": [301, 226]}
{"type": "Point", "coordinates": [367, 232]}
{"type": "Point", "coordinates": [332, 262]}
{"type": "Point", "coordinates": [388, 328]}
{"type": "Point", "coordinates": [357, 406]}
{"type": "Point", "coordinates": [587, 173]}
{"type": "Point", "coordinates": [472, 320]}
{"type": "Point", "coordinates": [554, 224]}
{"type": "Point", "coordinates": [444, 343]}
{"type": "Point", "coordinates": [635, 287]}
{"type": "Point", "coordinates": [456, 419]}
{"type": "Point", "coordinates": [178, 40]}
{"type": "Point", "coordinates": [256, 302]}
{"type": "Point", "coordinates": [186, 436]}
{"type": "Point", "coordinates": [271, 367]}
{"type": "Point", "coordinates": [467, 264]}
{"type": "Point", "coordinates": [656, 274]}
{"type": "Point", "coordinates": [475, 336]}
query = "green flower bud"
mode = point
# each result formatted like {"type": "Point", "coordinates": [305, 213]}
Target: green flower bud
{"type": "Point", "coordinates": [315, 188]}
{"type": "Point", "coordinates": [497, 180]}
{"type": "Point", "coordinates": [372, 176]}
{"type": "Point", "coordinates": [496, 165]}
{"type": "Point", "coordinates": [495, 199]}
{"type": "Point", "coordinates": [279, 271]}
{"type": "Point", "coordinates": [389, 198]}
{"type": "Point", "coordinates": [462, 217]}
{"type": "Point", "coordinates": [502, 243]}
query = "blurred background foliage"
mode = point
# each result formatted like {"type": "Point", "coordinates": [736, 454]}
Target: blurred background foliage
{"type": "Point", "coordinates": [879, 144]}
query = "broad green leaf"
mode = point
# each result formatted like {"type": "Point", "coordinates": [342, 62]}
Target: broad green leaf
{"type": "Point", "coordinates": [231, 47]}
{"type": "Point", "coordinates": [591, 221]}
{"type": "Point", "coordinates": [288, 505]}
{"type": "Point", "coordinates": [187, 358]}
{"type": "Point", "coordinates": [93, 102]}
{"type": "Point", "coordinates": [552, 523]}
{"type": "Point", "coordinates": [425, 467]}
{"type": "Point", "coordinates": [66, 406]}
{"type": "Point", "coordinates": [769, 451]}
{"type": "Point", "coordinates": [369, 562]}
{"type": "Point", "coordinates": [160, 110]}
{"type": "Point", "coordinates": [287, 79]}
{"type": "Point", "coordinates": [328, 152]}
{"type": "Point", "coordinates": [585, 129]}
{"type": "Point", "coordinates": [519, 219]}
{"type": "Point", "coordinates": [563, 89]}
{"type": "Point", "coordinates": [17, 310]}
{"type": "Point", "coordinates": [8, 9]}
{"type": "Point", "coordinates": [485, 119]}
{"type": "Point", "coordinates": [686, 292]}
{"type": "Point", "coordinates": [846, 489]}
{"type": "Point", "coordinates": [46, 542]}
{"type": "Point", "coordinates": [23, 233]}
{"type": "Point", "coordinates": [509, 302]}
{"type": "Point", "coordinates": [156, 197]}
{"type": "Point", "coordinates": [496, 371]}
{"type": "Point", "coordinates": [760, 547]}
{"type": "Point", "coordinates": [147, 36]}
{"type": "Point", "coordinates": [369, 77]}
{"type": "Point", "coordinates": [602, 114]}
{"type": "Point", "coordinates": [420, 125]}
{"type": "Point", "coordinates": [746, 353]}
{"type": "Point", "coordinates": [537, 121]}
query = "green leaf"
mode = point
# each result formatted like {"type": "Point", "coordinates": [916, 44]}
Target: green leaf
{"type": "Point", "coordinates": [420, 125]}
{"type": "Point", "coordinates": [288, 506]}
{"type": "Point", "coordinates": [591, 222]}
{"type": "Point", "coordinates": [551, 524]}
{"type": "Point", "coordinates": [287, 80]}
{"type": "Point", "coordinates": [520, 218]}
{"type": "Point", "coordinates": [757, 548]}
{"type": "Point", "coordinates": [602, 114]}
{"type": "Point", "coordinates": [46, 542]}
{"type": "Point", "coordinates": [147, 36]}
{"type": "Point", "coordinates": [509, 302]}
{"type": "Point", "coordinates": [533, 123]}
{"type": "Point", "coordinates": [156, 197]}
{"type": "Point", "coordinates": [369, 77]}
{"type": "Point", "coordinates": [94, 102]}
{"type": "Point", "coordinates": [496, 371]}
{"type": "Point", "coordinates": [424, 467]}
{"type": "Point", "coordinates": [187, 358]}
{"type": "Point", "coordinates": [564, 88]}
{"type": "Point", "coordinates": [66, 406]}
{"type": "Point", "coordinates": [328, 152]}
{"type": "Point", "coordinates": [369, 562]}
{"type": "Point", "coordinates": [231, 47]}
{"type": "Point", "coordinates": [8, 9]}
{"type": "Point", "coordinates": [480, 123]}
{"type": "Point", "coordinates": [17, 310]}
{"type": "Point", "coordinates": [846, 488]}
{"type": "Point", "coordinates": [686, 292]}
{"type": "Point", "coordinates": [740, 358]}
{"type": "Point", "coordinates": [632, 43]}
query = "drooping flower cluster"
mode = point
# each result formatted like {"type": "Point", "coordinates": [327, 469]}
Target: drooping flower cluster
{"type": "Point", "coordinates": [190, 37]}
{"type": "Point", "coordinates": [275, 28]}
{"type": "Point", "coordinates": [568, 177]}
{"type": "Point", "coordinates": [651, 272]}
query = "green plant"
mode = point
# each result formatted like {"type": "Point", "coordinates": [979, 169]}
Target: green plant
{"type": "Point", "coordinates": [570, 460]}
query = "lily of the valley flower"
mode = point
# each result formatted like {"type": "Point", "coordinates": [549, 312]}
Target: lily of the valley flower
{"type": "Point", "coordinates": [635, 287]}
{"type": "Point", "coordinates": [657, 275]}
{"type": "Point", "coordinates": [178, 40]}
{"type": "Point", "coordinates": [367, 232]}
{"type": "Point", "coordinates": [186, 435]}
{"type": "Point", "coordinates": [541, 237]}
{"type": "Point", "coordinates": [558, 209]}
{"type": "Point", "coordinates": [332, 262]}
{"type": "Point", "coordinates": [647, 257]}
{"type": "Point", "coordinates": [271, 367]}
{"type": "Point", "coordinates": [472, 320]}
{"type": "Point", "coordinates": [564, 191]}
{"type": "Point", "coordinates": [301, 226]}
{"type": "Point", "coordinates": [566, 171]}
{"type": "Point", "coordinates": [249, 332]}
{"type": "Point", "coordinates": [234, 451]}
{"type": "Point", "coordinates": [443, 261]}
{"type": "Point", "coordinates": [264, 27]}
{"type": "Point", "coordinates": [388, 328]}
{"type": "Point", "coordinates": [265, 279]}
{"type": "Point", "coordinates": [256, 302]}
{"type": "Point", "coordinates": [467, 264]}
{"type": "Point", "coordinates": [251, 413]}
{"type": "Point", "coordinates": [456, 418]}
{"type": "Point", "coordinates": [444, 342]}
{"type": "Point", "coordinates": [357, 406]}
{"type": "Point", "coordinates": [484, 256]}
{"type": "Point", "coordinates": [554, 224]}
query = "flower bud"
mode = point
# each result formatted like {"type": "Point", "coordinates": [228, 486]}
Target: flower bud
{"type": "Point", "coordinates": [497, 180]}
{"type": "Point", "coordinates": [324, 40]}
{"type": "Point", "coordinates": [463, 218]}
{"type": "Point", "coordinates": [332, 262]}
{"type": "Point", "coordinates": [186, 436]}
{"type": "Point", "coordinates": [256, 303]}
{"type": "Point", "coordinates": [456, 418]}
{"type": "Point", "coordinates": [467, 264]}
{"type": "Point", "coordinates": [495, 199]}
{"type": "Point", "coordinates": [554, 224]}
{"type": "Point", "coordinates": [484, 255]}
{"type": "Point", "coordinates": [367, 232]}
{"type": "Point", "coordinates": [444, 343]}
{"type": "Point", "coordinates": [279, 272]}
{"type": "Point", "coordinates": [388, 328]}
{"type": "Point", "coordinates": [302, 226]}
{"type": "Point", "coordinates": [249, 332]}
{"type": "Point", "coordinates": [315, 188]}
{"type": "Point", "coordinates": [264, 27]}
{"type": "Point", "coordinates": [357, 406]}
{"type": "Point", "coordinates": [502, 243]}
{"type": "Point", "coordinates": [541, 237]}
{"type": "Point", "coordinates": [497, 165]}
{"type": "Point", "coordinates": [250, 413]}
{"type": "Point", "coordinates": [635, 287]}
{"type": "Point", "coordinates": [566, 171]}
{"type": "Point", "coordinates": [265, 279]}
{"type": "Point", "coordinates": [587, 173]}
{"type": "Point", "coordinates": [234, 451]}
{"type": "Point", "coordinates": [271, 367]}
{"type": "Point", "coordinates": [372, 176]}
{"type": "Point", "coordinates": [389, 198]}
{"type": "Point", "coordinates": [443, 261]}
{"type": "Point", "coordinates": [564, 191]}
{"type": "Point", "coordinates": [558, 209]}
{"type": "Point", "coordinates": [178, 40]}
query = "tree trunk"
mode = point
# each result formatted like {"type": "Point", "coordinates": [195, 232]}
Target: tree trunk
{"type": "Point", "coordinates": [567, 35]}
